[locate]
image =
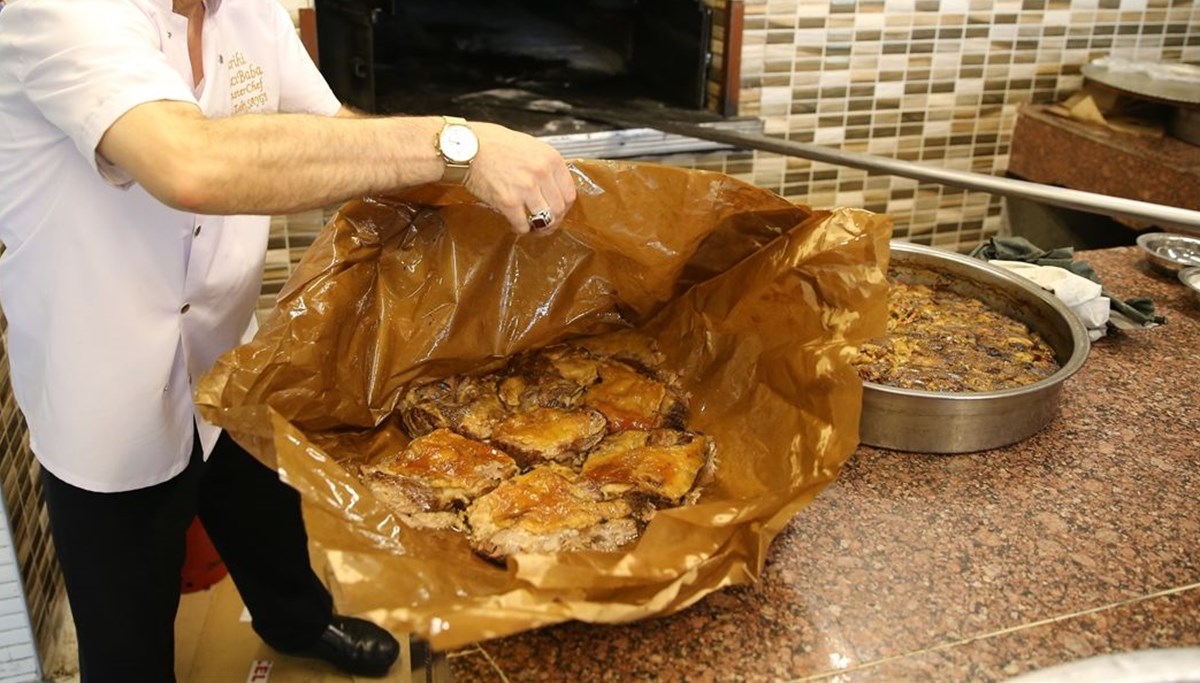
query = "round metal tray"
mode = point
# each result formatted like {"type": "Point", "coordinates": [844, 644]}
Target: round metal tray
{"type": "Point", "coordinates": [1183, 96]}
{"type": "Point", "coordinates": [1135, 83]}
{"type": "Point", "coordinates": [943, 422]}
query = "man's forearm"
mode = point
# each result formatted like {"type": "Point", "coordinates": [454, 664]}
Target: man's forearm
{"type": "Point", "coordinates": [279, 163]}
{"type": "Point", "coordinates": [289, 162]}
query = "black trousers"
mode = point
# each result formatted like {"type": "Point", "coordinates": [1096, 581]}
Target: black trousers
{"type": "Point", "coordinates": [122, 556]}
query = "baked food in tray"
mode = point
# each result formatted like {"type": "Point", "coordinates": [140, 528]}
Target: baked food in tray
{"type": "Point", "coordinates": [939, 340]}
{"type": "Point", "coordinates": [597, 442]}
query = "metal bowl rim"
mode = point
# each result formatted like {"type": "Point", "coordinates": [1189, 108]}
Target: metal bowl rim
{"type": "Point", "coordinates": [1187, 274]}
{"type": "Point", "coordinates": [1079, 335]}
{"type": "Point", "coordinates": [1146, 239]}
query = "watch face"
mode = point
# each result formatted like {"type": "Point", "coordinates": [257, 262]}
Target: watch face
{"type": "Point", "coordinates": [458, 143]}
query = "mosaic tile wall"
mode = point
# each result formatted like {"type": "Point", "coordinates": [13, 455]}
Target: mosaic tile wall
{"type": "Point", "coordinates": [929, 81]}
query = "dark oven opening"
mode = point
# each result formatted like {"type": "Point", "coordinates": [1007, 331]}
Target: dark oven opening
{"type": "Point", "coordinates": [469, 57]}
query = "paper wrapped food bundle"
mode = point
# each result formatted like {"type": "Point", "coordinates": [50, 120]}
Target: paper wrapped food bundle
{"type": "Point", "coordinates": [754, 305]}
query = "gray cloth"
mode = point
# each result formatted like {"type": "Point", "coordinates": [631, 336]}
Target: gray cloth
{"type": "Point", "coordinates": [1138, 310]}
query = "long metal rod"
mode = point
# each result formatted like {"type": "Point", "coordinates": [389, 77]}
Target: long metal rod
{"type": "Point", "coordinates": [1090, 202]}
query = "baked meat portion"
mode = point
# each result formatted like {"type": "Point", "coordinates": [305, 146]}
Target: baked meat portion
{"type": "Point", "coordinates": [541, 435]}
{"type": "Point", "coordinates": [554, 377]}
{"type": "Point", "coordinates": [664, 465]}
{"type": "Point", "coordinates": [466, 404]}
{"type": "Point", "coordinates": [564, 377]}
{"type": "Point", "coordinates": [548, 510]}
{"type": "Point", "coordinates": [431, 481]}
{"type": "Point", "coordinates": [632, 399]}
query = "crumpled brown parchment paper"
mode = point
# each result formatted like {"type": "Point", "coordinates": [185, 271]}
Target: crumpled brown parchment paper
{"type": "Point", "coordinates": [757, 304]}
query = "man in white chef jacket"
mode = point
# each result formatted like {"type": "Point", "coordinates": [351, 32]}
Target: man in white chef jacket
{"type": "Point", "coordinates": [143, 143]}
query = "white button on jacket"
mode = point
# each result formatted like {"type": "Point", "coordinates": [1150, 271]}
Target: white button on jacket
{"type": "Point", "coordinates": [114, 299]}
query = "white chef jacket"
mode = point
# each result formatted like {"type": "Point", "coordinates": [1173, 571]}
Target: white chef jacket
{"type": "Point", "coordinates": [116, 302]}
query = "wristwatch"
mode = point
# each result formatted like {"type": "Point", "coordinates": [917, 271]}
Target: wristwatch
{"type": "Point", "coordinates": [457, 145]}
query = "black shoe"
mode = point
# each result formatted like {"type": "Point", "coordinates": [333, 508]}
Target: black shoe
{"type": "Point", "coordinates": [355, 646]}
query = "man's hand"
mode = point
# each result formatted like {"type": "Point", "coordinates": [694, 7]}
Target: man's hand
{"type": "Point", "coordinates": [519, 176]}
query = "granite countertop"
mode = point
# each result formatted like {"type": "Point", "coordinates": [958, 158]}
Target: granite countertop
{"type": "Point", "coordinates": [1081, 540]}
{"type": "Point", "coordinates": [1056, 150]}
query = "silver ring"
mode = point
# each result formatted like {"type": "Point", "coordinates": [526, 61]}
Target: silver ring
{"type": "Point", "coordinates": [540, 220]}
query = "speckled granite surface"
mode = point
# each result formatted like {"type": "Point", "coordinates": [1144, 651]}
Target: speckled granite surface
{"type": "Point", "coordinates": [1082, 540]}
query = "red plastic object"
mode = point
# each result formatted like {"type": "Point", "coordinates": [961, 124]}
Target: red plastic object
{"type": "Point", "coordinates": [202, 566]}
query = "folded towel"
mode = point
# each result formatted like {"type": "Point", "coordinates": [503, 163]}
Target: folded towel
{"type": "Point", "coordinates": [1072, 289]}
{"type": "Point", "coordinates": [1132, 313]}
{"type": "Point", "coordinates": [1095, 314]}
{"type": "Point", "coordinates": [1080, 294]}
